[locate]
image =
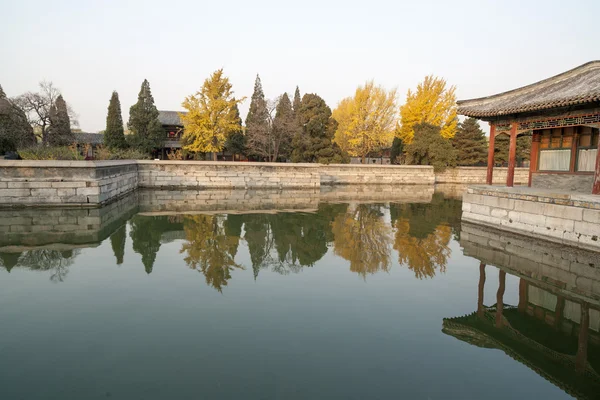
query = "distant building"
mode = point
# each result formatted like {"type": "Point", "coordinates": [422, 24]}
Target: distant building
{"type": "Point", "coordinates": [375, 157]}
{"type": "Point", "coordinates": [91, 140]}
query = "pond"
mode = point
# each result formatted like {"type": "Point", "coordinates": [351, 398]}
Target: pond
{"type": "Point", "coordinates": [290, 296]}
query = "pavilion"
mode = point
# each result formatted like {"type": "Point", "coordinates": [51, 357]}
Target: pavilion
{"type": "Point", "coordinates": [563, 114]}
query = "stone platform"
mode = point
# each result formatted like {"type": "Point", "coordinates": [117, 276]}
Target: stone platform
{"type": "Point", "coordinates": [562, 217]}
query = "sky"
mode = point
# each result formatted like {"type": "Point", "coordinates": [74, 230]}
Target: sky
{"type": "Point", "coordinates": [90, 48]}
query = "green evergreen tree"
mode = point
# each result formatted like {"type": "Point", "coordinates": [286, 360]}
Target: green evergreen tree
{"type": "Point", "coordinates": [314, 142]}
{"type": "Point", "coordinates": [15, 131]}
{"type": "Point", "coordinates": [114, 135]}
{"type": "Point", "coordinates": [297, 101]}
{"type": "Point", "coordinates": [284, 128]}
{"type": "Point", "coordinates": [258, 129]}
{"type": "Point", "coordinates": [430, 148]}
{"type": "Point", "coordinates": [470, 143]}
{"type": "Point", "coordinates": [396, 150]}
{"type": "Point", "coordinates": [147, 132]}
{"type": "Point", "coordinates": [502, 145]}
{"type": "Point", "coordinates": [59, 132]}
{"type": "Point", "coordinates": [236, 140]}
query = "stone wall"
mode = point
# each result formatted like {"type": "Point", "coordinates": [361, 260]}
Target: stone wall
{"type": "Point", "coordinates": [574, 270]}
{"type": "Point", "coordinates": [65, 182]}
{"type": "Point", "coordinates": [351, 174]}
{"type": "Point", "coordinates": [477, 175]}
{"type": "Point", "coordinates": [571, 182]}
{"type": "Point", "coordinates": [572, 219]}
{"type": "Point", "coordinates": [205, 175]}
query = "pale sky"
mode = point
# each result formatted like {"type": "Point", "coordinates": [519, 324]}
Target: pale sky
{"type": "Point", "coordinates": [90, 48]}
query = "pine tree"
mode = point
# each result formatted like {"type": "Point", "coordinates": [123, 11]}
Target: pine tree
{"type": "Point", "coordinates": [430, 148]}
{"type": "Point", "coordinates": [147, 132]}
{"type": "Point", "coordinates": [59, 133]}
{"type": "Point", "coordinates": [314, 143]}
{"type": "Point", "coordinates": [396, 150]}
{"type": "Point", "coordinates": [470, 143]}
{"type": "Point", "coordinates": [236, 140]}
{"type": "Point", "coordinates": [15, 131]}
{"type": "Point", "coordinates": [258, 129]}
{"type": "Point", "coordinates": [297, 101]}
{"type": "Point", "coordinates": [114, 136]}
{"type": "Point", "coordinates": [284, 128]}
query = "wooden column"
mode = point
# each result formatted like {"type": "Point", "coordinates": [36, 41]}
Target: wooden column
{"type": "Point", "coordinates": [490, 166]}
{"type": "Point", "coordinates": [582, 343]}
{"type": "Point", "coordinates": [573, 149]}
{"type": "Point", "coordinates": [535, 152]}
{"type": "Point", "coordinates": [523, 295]}
{"type": "Point", "coordinates": [480, 290]}
{"type": "Point", "coordinates": [512, 156]}
{"type": "Point", "coordinates": [559, 311]}
{"type": "Point", "coordinates": [596, 187]}
{"type": "Point", "coordinates": [500, 299]}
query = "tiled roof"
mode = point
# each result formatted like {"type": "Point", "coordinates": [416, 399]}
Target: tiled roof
{"type": "Point", "coordinates": [577, 86]}
{"type": "Point", "coordinates": [89, 138]}
{"type": "Point", "coordinates": [170, 117]}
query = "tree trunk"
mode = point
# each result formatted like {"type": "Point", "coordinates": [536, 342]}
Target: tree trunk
{"type": "Point", "coordinates": [363, 159]}
{"type": "Point", "coordinates": [214, 157]}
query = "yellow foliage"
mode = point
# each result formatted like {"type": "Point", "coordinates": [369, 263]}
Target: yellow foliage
{"type": "Point", "coordinates": [362, 237]}
{"type": "Point", "coordinates": [210, 117]}
{"type": "Point", "coordinates": [423, 256]}
{"type": "Point", "coordinates": [366, 121]}
{"type": "Point", "coordinates": [432, 103]}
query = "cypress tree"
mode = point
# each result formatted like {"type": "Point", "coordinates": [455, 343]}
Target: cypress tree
{"type": "Point", "coordinates": [59, 133]}
{"type": "Point", "coordinates": [396, 150]}
{"type": "Point", "coordinates": [258, 130]}
{"type": "Point", "coordinates": [284, 128]}
{"type": "Point", "coordinates": [147, 132]}
{"type": "Point", "coordinates": [114, 136]}
{"type": "Point", "coordinates": [236, 140]}
{"type": "Point", "coordinates": [297, 101]}
{"type": "Point", "coordinates": [15, 130]}
{"type": "Point", "coordinates": [314, 142]}
{"type": "Point", "coordinates": [469, 143]}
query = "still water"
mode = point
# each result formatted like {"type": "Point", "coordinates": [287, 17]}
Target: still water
{"type": "Point", "coordinates": [264, 296]}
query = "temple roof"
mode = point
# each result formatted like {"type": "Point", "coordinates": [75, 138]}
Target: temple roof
{"type": "Point", "coordinates": [577, 86]}
{"type": "Point", "coordinates": [170, 117]}
{"type": "Point", "coordinates": [89, 138]}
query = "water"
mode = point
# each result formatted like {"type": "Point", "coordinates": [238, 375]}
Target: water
{"type": "Point", "coordinates": [340, 296]}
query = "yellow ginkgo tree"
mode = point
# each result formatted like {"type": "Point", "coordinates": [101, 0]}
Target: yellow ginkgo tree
{"type": "Point", "coordinates": [210, 116]}
{"type": "Point", "coordinates": [366, 121]}
{"type": "Point", "coordinates": [434, 103]}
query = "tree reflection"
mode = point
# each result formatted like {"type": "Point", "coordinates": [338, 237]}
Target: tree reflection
{"type": "Point", "coordinates": [363, 238]}
{"type": "Point", "coordinates": [146, 233]}
{"type": "Point", "coordinates": [57, 262]}
{"type": "Point", "coordinates": [209, 248]}
{"type": "Point", "coordinates": [117, 242]}
{"type": "Point", "coordinates": [424, 256]}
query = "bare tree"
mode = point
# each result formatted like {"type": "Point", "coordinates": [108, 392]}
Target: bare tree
{"type": "Point", "coordinates": [260, 138]}
{"type": "Point", "coordinates": [37, 108]}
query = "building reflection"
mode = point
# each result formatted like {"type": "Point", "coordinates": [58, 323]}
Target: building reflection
{"type": "Point", "coordinates": [554, 329]}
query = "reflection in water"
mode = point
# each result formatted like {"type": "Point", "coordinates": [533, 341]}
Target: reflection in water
{"type": "Point", "coordinates": [146, 233]}
{"type": "Point", "coordinates": [555, 327]}
{"type": "Point", "coordinates": [57, 262]}
{"type": "Point", "coordinates": [362, 236]}
{"type": "Point", "coordinates": [209, 249]}
{"type": "Point", "coordinates": [117, 242]}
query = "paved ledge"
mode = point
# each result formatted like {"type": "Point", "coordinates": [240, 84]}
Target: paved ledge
{"type": "Point", "coordinates": [63, 164]}
{"type": "Point", "coordinates": [539, 195]}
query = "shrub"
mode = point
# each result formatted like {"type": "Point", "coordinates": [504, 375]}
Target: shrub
{"type": "Point", "coordinates": [50, 153]}
{"type": "Point", "coordinates": [104, 153]}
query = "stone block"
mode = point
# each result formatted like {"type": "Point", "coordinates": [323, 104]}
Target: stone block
{"type": "Point", "coordinates": [88, 191]}
{"type": "Point", "coordinates": [28, 185]}
{"type": "Point", "coordinates": [499, 213]}
{"type": "Point", "coordinates": [587, 228]}
{"type": "Point", "coordinates": [564, 212]}
{"type": "Point", "coordinates": [15, 192]}
{"type": "Point", "coordinates": [499, 202]}
{"type": "Point", "coordinates": [43, 193]}
{"type": "Point", "coordinates": [564, 225]}
{"type": "Point", "coordinates": [592, 216]}
{"type": "Point", "coordinates": [529, 206]}
{"type": "Point", "coordinates": [480, 209]}
{"type": "Point", "coordinates": [67, 185]}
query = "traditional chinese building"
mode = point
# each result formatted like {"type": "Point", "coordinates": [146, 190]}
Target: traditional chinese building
{"type": "Point", "coordinates": [173, 127]}
{"type": "Point", "coordinates": [563, 113]}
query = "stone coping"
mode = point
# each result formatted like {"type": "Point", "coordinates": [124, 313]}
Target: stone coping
{"type": "Point", "coordinates": [538, 195]}
{"type": "Point", "coordinates": [63, 164]}
{"type": "Point", "coordinates": [227, 163]}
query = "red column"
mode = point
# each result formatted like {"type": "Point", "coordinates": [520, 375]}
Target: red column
{"type": "Point", "coordinates": [596, 187]}
{"type": "Point", "coordinates": [535, 151]}
{"type": "Point", "coordinates": [572, 165]}
{"type": "Point", "coordinates": [512, 156]}
{"type": "Point", "coordinates": [490, 168]}
{"type": "Point", "coordinates": [480, 290]}
{"type": "Point", "coordinates": [500, 299]}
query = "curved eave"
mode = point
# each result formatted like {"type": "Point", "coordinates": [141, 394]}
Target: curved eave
{"type": "Point", "coordinates": [468, 112]}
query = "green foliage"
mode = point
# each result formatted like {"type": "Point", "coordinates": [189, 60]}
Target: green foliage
{"type": "Point", "coordinates": [104, 153]}
{"type": "Point", "coordinates": [147, 133]}
{"type": "Point", "coordinates": [470, 143]}
{"type": "Point", "coordinates": [114, 136]}
{"type": "Point", "coordinates": [236, 140]}
{"type": "Point", "coordinates": [59, 132]}
{"type": "Point", "coordinates": [284, 128]}
{"type": "Point", "coordinates": [314, 142]}
{"type": "Point", "coordinates": [430, 148]}
{"type": "Point", "coordinates": [15, 131]}
{"type": "Point", "coordinates": [51, 153]}
{"type": "Point", "coordinates": [502, 144]}
{"type": "Point", "coordinates": [396, 150]}
{"type": "Point", "coordinates": [297, 101]}
{"type": "Point", "coordinates": [258, 129]}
